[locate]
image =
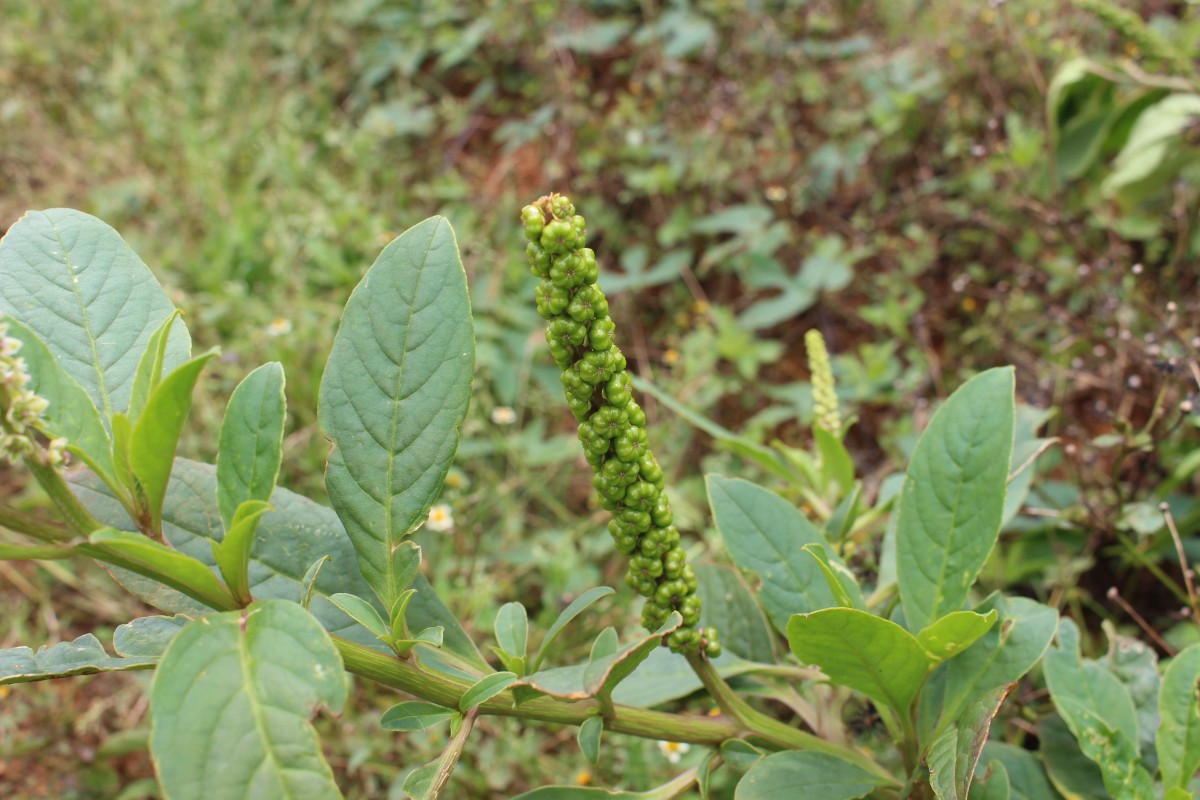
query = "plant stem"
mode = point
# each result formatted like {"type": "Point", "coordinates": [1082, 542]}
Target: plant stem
{"type": "Point", "coordinates": [44, 530]}
{"type": "Point", "coordinates": [445, 690]}
{"type": "Point", "coordinates": [79, 520]}
{"type": "Point", "coordinates": [761, 726]}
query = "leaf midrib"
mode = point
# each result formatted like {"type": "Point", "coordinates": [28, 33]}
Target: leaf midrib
{"type": "Point", "coordinates": [87, 323]}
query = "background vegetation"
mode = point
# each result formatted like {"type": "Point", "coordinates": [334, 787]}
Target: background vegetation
{"type": "Point", "coordinates": [886, 173]}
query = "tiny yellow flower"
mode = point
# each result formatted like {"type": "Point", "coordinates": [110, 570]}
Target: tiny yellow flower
{"type": "Point", "coordinates": [440, 518]}
{"type": "Point", "coordinates": [671, 356]}
{"type": "Point", "coordinates": [280, 326]}
{"type": "Point", "coordinates": [673, 750]}
{"type": "Point", "coordinates": [503, 415]}
{"type": "Point", "coordinates": [454, 479]}
{"type": "Point", "coordinates": [968, 304]}
{"type": "Point", "coordinates": [701, 307]}
{"type": "Point", "coordinates": [583, 778]}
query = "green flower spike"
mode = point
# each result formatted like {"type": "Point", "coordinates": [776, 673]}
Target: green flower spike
{"type": "Point", "coordinates": [612, 429]}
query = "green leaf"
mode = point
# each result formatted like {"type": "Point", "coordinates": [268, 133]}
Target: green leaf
{"type": "Point", "coordinates": [992, 785]}
{"type": "Point", "coordinates": [394, 394]}
{"type": "Point", "coordinates": [837, 578]}
{"type": "Point", "coordinates": [1135, 665]}
{"type": "Point", "coordinates": [232, 553]}
{"type": "Point", "coordinates": [822, 776]}
{"type": "Point", "coordinates": [954, 633]}
{"type": "Point", "coordinates": [740, 754]}
{"type": "Point", "coordinates": [147, 637]}
{"type": "Point", "coordinates": [869, 654]}
{"type": "Point", "coordinates": [668, 791]}
{"type": "Point", "coordinates": [1178, 739]}
{"type": "Point", "coordinates": [953, 497]}
{"type": "Point", "coordinates": [137, 551]}
{"type": "Point", "coordinates": [953, 755]}
{"type": "Point", "coordinates": [589, 738]}
{"type": "Point", "coordinates": [76, 284]}
{"type": "Point", "coordinates": [1026, 777]}
{"type": "Point", "coordinates": [512, 629]}
{"type": "Point", "coordinates": [156, 433]}
{"type": "Point", "coordinates": [252, 679]}
{"type": "Point", "coordinates": [71, 413]}
{"type": "Point", "coordinates": [309, 582]}
{"type": "Point", "coordinates": [251, 444]}
{"type": "Point", "coordinates": [406, 559]}
{"type": "Point", "coordinates": [1070, 771]}
{"type": "Point", "coordinates": [150, 366]}
{"type": "Point", "coordinates": [415, 715]}
{"type": "Point", "coordinates": [1000, 656]}
{"type": "Point", "coordinates": [666, 676]}
{"type": "Point", "coordinates": [1099, 713]}
{"type": "Point", "coordinates": [765, 534]}
{"type": "Point", "coordinates": [1155, 149]}
{"type": "Point", "coordinates": [573, 610]}
{"type": "Point", "coordinates": [485, 689]}
{"type": "Point", "coordinates": [362, 612]}
{"type": "Point", "coordinates": [836, 465]}
{"type": "Point", "coordinates": [84, 656]}
{"type": "Point", "coordinates": [729, 606]}
{"type": "Point", "coordinates": [290, 540]}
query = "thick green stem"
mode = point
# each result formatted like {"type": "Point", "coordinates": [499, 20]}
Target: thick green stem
{"type": "Point", "coordinates": [445, 690]}
{"type": "Point", "coordinates": [771, 730]}
{"type": "Point", "coordinates": [41, 529]}
{"type": "Point", "coordinates": [79, 520]}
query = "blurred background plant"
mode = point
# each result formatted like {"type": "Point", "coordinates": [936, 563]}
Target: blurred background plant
{"type": "Point", "coordinates": [936, 187]}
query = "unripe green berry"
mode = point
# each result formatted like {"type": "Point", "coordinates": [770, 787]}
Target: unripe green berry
{"type": "Point", "coordinates": [539, 260]}
{"type": "Point", "coordinates": [651, 471]}
{"type": "Point", "coordinates": [580, 226]}
{"type": "Point", "coordinates": [639, 520]}
{"type": "Point", "coordinates": [561, 206]}
{"type": "Point", "coordinates": [620, 471]}
{"type": "Point", "coordinates": [557, 237]}
{"type": "Point", "coordinates": [642, 496]}
{"type": "Point", "coordinates": [661, 513]}
{"type": "Point", "coordinates": [531, 217]}
{"type": "Point", "coordinates": [600, 334]}
{"type": "Point", "coordinates": [609, 490]}
{"type": "Point", "coordinates": [588, 267]}
{"type": "Point", "coordinates": [580, 408]}
{"type": "Point", "coordinates": [566, 331]}
{"type": "Point", "coordinates": [631, 445]}
{"type": "Point", "coordinates": [636, 415]}
{"type": "Point", "coordinates": [618, 390]}
{"type": "Point", "coordinates": [610, 421]}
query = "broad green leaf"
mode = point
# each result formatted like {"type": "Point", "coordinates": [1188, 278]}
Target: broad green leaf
{"type": "Point", "coordinates": [415, 715]}
{"type": "Point", "coordinates": [486, 688]}
{"type": "Point", "coordinates": [953, 497]}
{"type": "Point", "coordinates": [76, 284]}
{"type": "Point", "coordinates": [1026, 445]}
{"type": "Point", "coordinates": [740, 754]}
{"type": "Point", "coordinates": [1099, 713]}
{"type": "Point", "coordinates": [149, 370]}
{"type": "Point", "coordinates": [1072, 773]}
{"type": "Point", "coordinates": [953, 755]}
{"type": "Point", "coordinates": [866, 653]}
{"type": "Point", "coordinates": [1178, 738]}
{"type": "Point", "coordinates": [362, 612]}
{"type": "Point", "coordinates": [137, 552]}
{"type": "Point", "coordinates": [71, 413]}
{"type": "Point", "coordinates": [156, 432]}
{"type": "Point", "coordinates": [813, 776]}
{"type": "Point", "coordinates": [512, 629]}
{"type": "Point", "coordinates": [251, 444]}
{"type": "Point", "coordinates": [231, 702]}
{"type": "Point", "coordinates": [665, 676]}
{"type": "Point", "coordinates": [993, 784]}
{"type": "Point", "coordinates": [573, 610]}
{"type": "Point", "coordinates": [395, 393]}
{"type": "Point", "coordinates": [1082, 106]}
{"type": "Point", "coordinates": [84, 656]}
{"type": "Point", "coordinates": [840, 580]}
{"type": "Point", "coordinates": [765, 534]}
{"type": "Point", "coordinates": [233, 552]}
{"type": "Point", "coordinates": [668, 791]}
{"type": "Point", "coordinates": [147, 637]}
{"type": "Point", "coordinates": [290, 540]}
{"type": "Point", "coordinates": [728, 605]}
{"type": "Point", "coordinates": [1026, 778]}
{"type": "Point", "coordinates": [954, 633]}
{"type": "Point", "coordinates": [1002, 655]}
{"type": "Point", "coordinates": [589, 738]}
{"type": "Point", "coordinates": [1135, 665]}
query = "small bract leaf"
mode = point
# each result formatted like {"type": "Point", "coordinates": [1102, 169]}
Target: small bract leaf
{"type": "Point", "coordinates": [485, 689]}
{"type": "Point", "coordinates": [186, 573]}
{"type": "Point", "coordinates": [233, 552]}
{"type": "Point", "coordinates": [150, 367]}
{"type": "Point", "coordinates": [253, 678]}
{"type": "Point", "coordinates": [589, 738]}
{"type": "Point", "coordinates": [363, 612]}
{"type": "Point", "coordinates": [415, 715]}
{"type": "Point", "coordinates": [512, 629]}
{"type": "Point", "coordinates": [147, 637]}
{"type": "Point", "coordinates": [576, 607]}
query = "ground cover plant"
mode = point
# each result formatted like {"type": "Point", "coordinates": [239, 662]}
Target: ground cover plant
{"type": "Point", "coordinates": [271, 596]}
{"type": "Point", "coordinates": [897, 196]}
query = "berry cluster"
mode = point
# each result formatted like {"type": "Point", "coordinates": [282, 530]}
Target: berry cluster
{"type": "Point", "coordinates": [612, 427]}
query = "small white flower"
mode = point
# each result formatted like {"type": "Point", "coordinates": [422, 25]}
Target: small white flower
{"type": "Point", "coordinates": [279, 326]}
{"type": "Point", "coordinates": [503, 415]}
{"type": "Point", "coordinates": [673, 750]}
{"type": "Point", "coordinates": [440, 519]}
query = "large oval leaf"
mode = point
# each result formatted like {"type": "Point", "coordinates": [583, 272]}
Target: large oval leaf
{"type": "Point", "coordinates": [813, 776]}
{"type": "Point", "coordinates": [73, 280]}
{"type": "Point", "coordinates": [231, 702]}
{"type": "Point", "coordinates": [394, 394]}
{"type": "Point", "coordinates": [953, 497]}
{"type": "Point", "coordinates": [1179, 736]}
